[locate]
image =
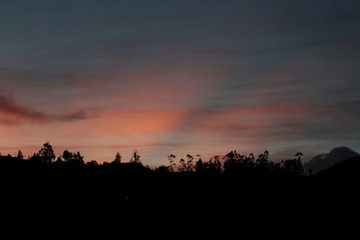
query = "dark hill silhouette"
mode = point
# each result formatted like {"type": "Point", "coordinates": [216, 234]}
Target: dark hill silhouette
{"type": "Point", "coordinates": [335, 200]}
{"type": "Point", "coordinates": [323, 161]}
{"type": "Point", "coordinates": [347, 168]}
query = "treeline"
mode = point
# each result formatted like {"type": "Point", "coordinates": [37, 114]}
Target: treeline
{"type": "Point", "coordinates": [187, 198]}
{"type": "Point", "coordinates": [231, 163]}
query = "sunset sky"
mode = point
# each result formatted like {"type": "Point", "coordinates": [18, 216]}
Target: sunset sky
{"type": "Point", "coordinates": [179, 76]}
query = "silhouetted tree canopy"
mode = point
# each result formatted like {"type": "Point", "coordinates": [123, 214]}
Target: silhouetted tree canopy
{"type": "Point", "coordinates": [171, 159]}
{"type": "Point", "coordinates": [182, 165]}
{"type": "Point", "coordinates": [231, 163]}
{"type": "Point", "coordinates": [46, 153]}
{"type": "Point", "coordinates": [67, 155]}
{"type": "Point", "coordinates": [117, 159]}
{"type": "Point", "coordinates": [292, 167]}
{"type": "Point", "coordinates": [20, 154]}
{"type": "Point", "coordinates": [135, 157]}
{"type": "Point", "coordinates": [299, 155]}
{"type": "Point", "coordinates": [189, 163]}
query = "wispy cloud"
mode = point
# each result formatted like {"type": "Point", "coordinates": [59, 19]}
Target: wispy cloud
{"type": "Point", "coordinates": [13, 113]}
{"type": "Point", "coordinates": [10, 108]}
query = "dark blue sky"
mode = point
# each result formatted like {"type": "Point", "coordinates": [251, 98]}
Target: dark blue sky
{"type": "Point", "coordinates": [199, 77]}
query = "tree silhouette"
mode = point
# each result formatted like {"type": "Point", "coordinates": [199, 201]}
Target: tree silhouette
{"type": "Point", "coordinates": [59, 160]}
{"type": "Point", "coordinates": [35, 157]}
{"type": "Point", "coordinates": [293, 167]}
{"type": "Point", "coordinates": [182, 165]}
{"type": "Point", "coordinates": [46, 153]}
{"type": "Point", "coordinates": [200, 166]}
{"type": "Point", "coordinates": [214, 165]}
{"type": "Point", "coordinates": [249, 161]}
{"type": "Point", "coordinates": [73, 158]}
{"type": "Point", "coordinates": [78, 158]}
{"type": "Point", "coordinates": [263, 160]}
{"type": "Point", "coordinates": [92, 163]}
{"type": "Point", "coordinates": [20, 155]}
{"type": "Point", "coordinates": [135, 157]}
{"type": "Point", "coordinates": [189, 163]}
{"type": "Point", "coordinates": [232, 162]}
{"type": "Point", "coordinates": [186, 166]}
{"type": "Point", "coordinates": [299, 155]}
{"type": "Point", "coordinates": [171, 159]}
{"type": "Point", "coordinates": [67, 155]}
{"type": "Point", "coordinates": [117, 159]}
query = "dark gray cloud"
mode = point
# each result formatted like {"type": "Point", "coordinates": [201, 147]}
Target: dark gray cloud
{"type": "Point", "coordinates": [13, 113]}
{"type": "Point", "coordinates": [9, 107]}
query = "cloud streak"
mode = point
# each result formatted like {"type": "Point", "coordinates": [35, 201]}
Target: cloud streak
{"type": "Point", "coordinates": [13, 113]}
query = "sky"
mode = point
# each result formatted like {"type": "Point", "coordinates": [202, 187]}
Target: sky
{"type": "Point", "coordinates": [179, 76]}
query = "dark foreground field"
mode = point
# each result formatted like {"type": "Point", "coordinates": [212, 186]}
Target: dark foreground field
{"type": "Point", "coordinates": [45, 203]}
